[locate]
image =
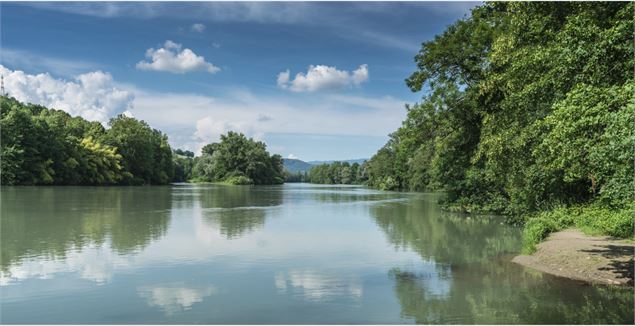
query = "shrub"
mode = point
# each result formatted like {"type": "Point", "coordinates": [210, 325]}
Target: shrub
{"type": "Point", "coordinates": [239, 180]}
{"type": "Point", "coordinates": [602, 221]}
{"type": "Point", "coordinates": [592, 219]}
{"type": "Point", "coordinates": [539, 226]}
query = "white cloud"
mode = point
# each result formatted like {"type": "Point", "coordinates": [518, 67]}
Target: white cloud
{"type": "Point", "coordinates": [93, 96]}
{"type": "Point", "coordinates": [283, 78]}
{"type": "Point", "coordinates": [293, 157]}
{"type": "Point", "coordinates": [209, 130]}
{"type": "Point", "coordinates": [198, 27]}
{"type": "Point", "coordinates": [96, 96]}
{"type": "Point", "coordinates": [322, 77]}
{"type": "Point", "coordinates": [204, 118]}
{"type": "Point", "coordinates": [173, 58]}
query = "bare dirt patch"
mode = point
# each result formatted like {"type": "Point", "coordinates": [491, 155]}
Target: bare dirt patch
{"type": "Point", "coordinates": [574, 255]}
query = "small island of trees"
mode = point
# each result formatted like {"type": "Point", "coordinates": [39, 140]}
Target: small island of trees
{"type": "Point", "coordinates": [239, 160]}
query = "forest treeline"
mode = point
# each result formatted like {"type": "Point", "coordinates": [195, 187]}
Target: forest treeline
{"type": "Point", "coordinates": [337, 173]}
{"type": "Point", "coordinates": [41, 146]}
{"type": "Point", "coordinates": [528, 110]}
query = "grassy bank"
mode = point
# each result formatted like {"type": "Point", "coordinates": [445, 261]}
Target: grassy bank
{"type": "Point", "coordinates": [591, 219]}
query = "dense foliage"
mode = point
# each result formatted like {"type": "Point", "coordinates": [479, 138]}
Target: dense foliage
{"type": "Point", "coordinates": [183, 165]}
{"type": "Point", "coordinates": [46, 146]}
{"type": "Point", "coordinates": [338, 173]}
{"type": "Point", "coordinates": [300, 176]}
{"type": "Point", "coordinates": [237, 159]}
{"type": "Point", "coordinates": [528, 106]}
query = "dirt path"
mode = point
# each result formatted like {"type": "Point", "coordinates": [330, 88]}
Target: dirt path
{"type": "Point", "coordinates": [572, 254]}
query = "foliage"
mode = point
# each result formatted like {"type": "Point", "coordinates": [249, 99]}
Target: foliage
{"type": "Point", "coordinates": [47, 146]}
{"type": "Point", "coordinates": [147, 156]}
{"type": "Point", "coordinates": [183, 165]}
{"type": "Point", "coordinates": [237, 159]}
{"type": "Point", "coordinates": [527, 106]}
{"type": "Point", "coordinates": [337, 173]}
{"type": "Point", "coordinates": [591, 219]}
{"type": "Point", "coordinates": [299, 176]}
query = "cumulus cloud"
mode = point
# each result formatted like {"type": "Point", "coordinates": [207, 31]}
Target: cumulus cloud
{"type": "Point", "coordinates": [205, 118]}
{"type": "Point", "coordinates": [293, 157]}
{"type": "Point", "coordinates": [172, 57]}
{"type": "Point", "coordinates": [322, 77]}
{"type": "Point", "coordinates": [198, 27]}
{"type": "Point", "coordinates": [209, 130]}
{"type": "Point", "coordinates": [93, 96]}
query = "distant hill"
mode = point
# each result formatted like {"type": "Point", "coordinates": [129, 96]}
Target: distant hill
{"type": "Point", "coordinates": [294, 165]}
{"type": "Point", "coordinates": [358, 161]}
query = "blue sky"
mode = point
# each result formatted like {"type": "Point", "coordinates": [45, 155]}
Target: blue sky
{"type": "Point", "coordinates": [316, 81]}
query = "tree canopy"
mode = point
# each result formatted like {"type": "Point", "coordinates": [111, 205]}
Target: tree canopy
{"type": "Point", "coordinates": [237, 159]}
{"type": "Point", "coordinates": [47, 146]}
{"type": "Point", "coordinates": [338, 173]}
{"type": "Point", "coordinates": [527, 106]}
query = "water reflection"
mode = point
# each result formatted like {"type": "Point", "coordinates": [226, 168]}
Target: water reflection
{"type": "Point", "coordinates": [281, 255]}
{"type": "Point", "coordinates": [318, 286]}
{"type": "Point", "coordinates": [86, 227]}
{"type": "Point", "coordinates": [448, 238]}
{"type": "Point", "coordinates": [336, 194]}
{"type": "Point", "coordinates": [474, 280]}
{"type": "Point", "coordinates": [499, 292]}
{"type": "Point", "coordinates": [175, 297]}
{"type": "Point", "coordinates": [238, 210]}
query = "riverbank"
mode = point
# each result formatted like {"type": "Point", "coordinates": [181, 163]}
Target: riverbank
{"type": "Point", "coordinates": [572, 254]}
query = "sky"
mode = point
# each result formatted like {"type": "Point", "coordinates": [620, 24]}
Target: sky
{"type": "Point", "coordinates": [313, 80]}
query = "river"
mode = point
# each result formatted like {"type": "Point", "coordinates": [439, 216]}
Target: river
{"type": "Point", "coordinates": [296, 253]}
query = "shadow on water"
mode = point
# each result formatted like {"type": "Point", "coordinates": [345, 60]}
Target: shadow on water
{"type": "Point", "coordinates": [51, 221]}
{"type": "Point", "coordinates": [473, 280]}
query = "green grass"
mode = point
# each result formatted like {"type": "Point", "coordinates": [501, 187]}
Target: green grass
{"type": "Point", "coordinates": [591, 219]}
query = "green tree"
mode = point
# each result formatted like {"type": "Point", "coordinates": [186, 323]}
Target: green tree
{"type": "Point", "coordinates": [239, 160]}
{"type": "Point", "coordinates": [147, 156]}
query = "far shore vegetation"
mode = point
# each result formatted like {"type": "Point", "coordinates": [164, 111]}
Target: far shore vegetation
{"type": "Point", "coordinates": [528, 113]}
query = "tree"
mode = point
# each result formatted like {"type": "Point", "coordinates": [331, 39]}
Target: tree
{"type": "Point", "coordinates": [528, 106]}
{"type": "Point", "coordinates": [48, 146]}
{"type": "Point", "coordinates": [145, 151]}
{"type": "Point", "coordinates": [239, 160]}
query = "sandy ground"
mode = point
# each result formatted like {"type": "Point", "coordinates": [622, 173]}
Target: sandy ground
{"type": "Point", "coordinates": [572, 254]}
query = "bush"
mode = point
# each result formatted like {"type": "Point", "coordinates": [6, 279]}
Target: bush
{"type": "Point", "coordinates": [239, 180]}
{"type": "Point", "coordinates": [539, 226]}
{"type": "Point", "coordinates": [591, 219]}
{"type": "Point", "coordinates": [602, 221]}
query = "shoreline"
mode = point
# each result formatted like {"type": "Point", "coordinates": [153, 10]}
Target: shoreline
{"type": "Point", "coordinates": [574, 255]}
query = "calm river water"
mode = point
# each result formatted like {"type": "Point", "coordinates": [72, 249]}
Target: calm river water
{"type": "Point", "coordinates": [297, 253]}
